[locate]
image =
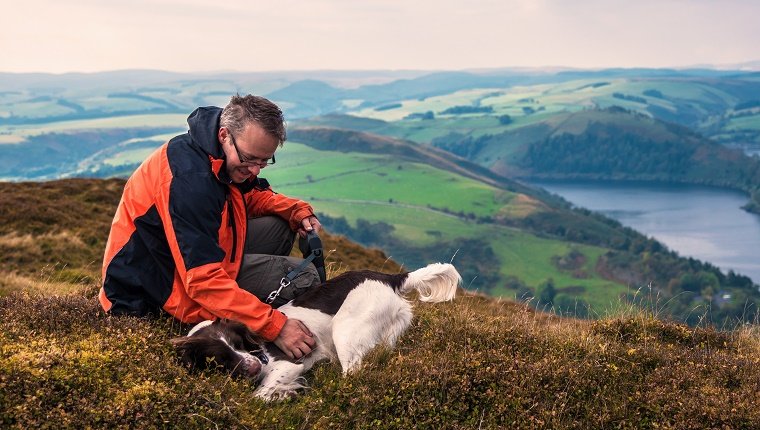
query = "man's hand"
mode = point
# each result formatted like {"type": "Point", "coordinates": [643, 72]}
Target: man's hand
{"type": "Point", "coordinates": [308, 224]}
{"type": "Point", "coordinates": [295, 339]}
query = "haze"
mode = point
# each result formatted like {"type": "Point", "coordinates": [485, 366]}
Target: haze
{"type": "Point", "coordinates": [236, 35]}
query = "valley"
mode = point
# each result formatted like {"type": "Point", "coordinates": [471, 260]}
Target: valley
{"type": "Point", "coordinates": [429, 167]}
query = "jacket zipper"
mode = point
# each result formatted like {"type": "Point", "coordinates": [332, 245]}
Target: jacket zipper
{"type": "Point", "coordinates": [231, 218]}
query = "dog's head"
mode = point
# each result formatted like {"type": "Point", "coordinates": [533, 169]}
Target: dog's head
{"type": "Point", "coordinates": [223, 343]}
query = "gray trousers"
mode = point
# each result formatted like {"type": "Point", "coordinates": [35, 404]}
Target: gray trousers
{"type": "Point", "coordinates": [265, 261]}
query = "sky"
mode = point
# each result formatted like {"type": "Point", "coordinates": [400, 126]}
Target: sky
{"type": "Point", "coordinates": [252, 35]}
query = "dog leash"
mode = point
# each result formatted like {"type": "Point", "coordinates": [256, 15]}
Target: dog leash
{"type": "Point", "coordinates": [316, 255]}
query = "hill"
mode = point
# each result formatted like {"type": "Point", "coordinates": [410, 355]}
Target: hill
{"type": "Point", "coordinates": [475, 362]}
{"type": "Point", "coordinates": [423, 204]}
{"type": "Point", "coordinates": [609, 144]}
{"type": "Point", "coordinates": [53, 235]}
{"type": "Point", "coordinates": [428, 204]}
{"type": "Point", "coordinates": [515, 240]}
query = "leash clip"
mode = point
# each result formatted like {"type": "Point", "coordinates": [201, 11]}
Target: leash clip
{"type": "Point", "coordinates": [284, 283]}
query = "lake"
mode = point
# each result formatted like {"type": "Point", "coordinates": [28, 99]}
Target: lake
{"type": "Point", "coordinates": [695, 221]}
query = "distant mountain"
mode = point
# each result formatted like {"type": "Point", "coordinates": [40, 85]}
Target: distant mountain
{"type": "Point", "coordinates": [619, 143]}
{"type": "Point", "coordinates": [609, 144]}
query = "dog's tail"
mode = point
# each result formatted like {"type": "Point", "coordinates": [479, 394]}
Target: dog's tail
{"type": "Point", "coordinates": [435, 282]}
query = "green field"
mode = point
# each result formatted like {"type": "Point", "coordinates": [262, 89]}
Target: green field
{"type": "Point", "coordinates": [751, 122]}
{"type": "Point", "coordinates": [362, 177]}
{"type": "Point", "coordinates": [130, 156]}
{"type": "Point", "coordinates": [128, 121]}
{"type": "Point", "coordinates": [359, 186]}
{"type": "Point", "coordinates": [691, 101]}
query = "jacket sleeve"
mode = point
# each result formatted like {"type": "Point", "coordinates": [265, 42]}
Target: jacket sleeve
{"type": "Point", "coordinates": [191, 208]}
{"type": "Point", "coordinates": [262, 202]}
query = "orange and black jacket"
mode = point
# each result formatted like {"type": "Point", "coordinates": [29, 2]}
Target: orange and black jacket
{"type": "Point", "coordinates": [177, 238]}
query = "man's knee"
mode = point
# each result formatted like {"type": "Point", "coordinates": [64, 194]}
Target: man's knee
{"type": "Point", "coordinates": [269, 235]}
{"type": "Point", "coordinates": [261, 275]}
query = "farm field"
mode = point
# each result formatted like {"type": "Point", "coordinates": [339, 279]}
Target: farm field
{"type": "Point", "coordinates": [358, 186]}
{"type": "Point", "coordinates": [339, 176]}
{"type": "Point", "coordinates": [128, 121]}
{"type": "Point", "coordinates": [751, 122]}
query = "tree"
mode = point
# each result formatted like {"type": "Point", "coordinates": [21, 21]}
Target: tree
{"type": "Point", "coordinates": [547, 292]}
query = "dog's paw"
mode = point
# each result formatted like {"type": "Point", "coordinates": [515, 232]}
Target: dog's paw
{"type": "Point", "coordinates": [270, 395]}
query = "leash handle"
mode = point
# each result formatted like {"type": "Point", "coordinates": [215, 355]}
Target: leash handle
{"type": "Point", "coordinates": [315, 246]}
{"type": "Point", "coordinates": [316, 257]}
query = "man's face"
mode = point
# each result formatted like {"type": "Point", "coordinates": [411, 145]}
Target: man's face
{"type": "Point", "coordinates": [254, 145]}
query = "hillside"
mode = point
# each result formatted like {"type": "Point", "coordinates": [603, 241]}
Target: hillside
{"type": "Point", "coordinates": [473, 363]}
{"type": "Point", "coordinates": [52, 236]}
{"type": "Point", "coordinates": [427, 204]}
{"type": "Point", "coordinates": [612, 143]}
{"type": "Point", "coordinates": [515, 241]}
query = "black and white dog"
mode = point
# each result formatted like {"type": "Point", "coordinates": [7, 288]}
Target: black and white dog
{"type": "Point", "coordinates": [348, 315]}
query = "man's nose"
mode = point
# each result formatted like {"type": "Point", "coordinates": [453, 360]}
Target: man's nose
{"type": "Point", "coordinates": [255, 170]}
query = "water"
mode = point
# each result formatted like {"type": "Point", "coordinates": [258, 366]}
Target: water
{"type": "Point", "coordinates": [701, 222]}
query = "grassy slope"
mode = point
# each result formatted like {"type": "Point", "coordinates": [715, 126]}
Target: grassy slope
{"type": "Point", "coordinates": [369, 187]}
{"type": "Point", "coordinates": [52, 235]}
{"type": "Point", "coordinates": [472, 363]}
{"type": "Point", "coordinates": [689, 98]}
{"type": "Point", "coordinates": [129, 121]}
{"type": "Point", "coordinates": [703, 105]}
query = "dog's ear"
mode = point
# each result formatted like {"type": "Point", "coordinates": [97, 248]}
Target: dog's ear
{"type": "Point", "coordinates": [184, 348]}
{"type": "Point", "coordinates": [251, 342]}
{"type": "Point", "coordinates": [191, 351]}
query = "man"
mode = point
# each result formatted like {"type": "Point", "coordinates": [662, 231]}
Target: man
{"type": "Point", "coordinates": [181, 228]}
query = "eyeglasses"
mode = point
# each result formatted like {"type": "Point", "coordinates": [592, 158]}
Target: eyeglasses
{"type": "Point", "coordinates": [250, 162]}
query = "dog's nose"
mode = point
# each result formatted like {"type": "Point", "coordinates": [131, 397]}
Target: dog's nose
{"type": "Point", "coordinates": [253, 367]}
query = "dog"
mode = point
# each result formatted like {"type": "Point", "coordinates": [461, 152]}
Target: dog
{"type": "Point", "coordinates": [348, 316]}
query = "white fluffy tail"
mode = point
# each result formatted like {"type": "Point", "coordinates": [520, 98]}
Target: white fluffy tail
{"type": "Point", "coordinates": [435, 282]}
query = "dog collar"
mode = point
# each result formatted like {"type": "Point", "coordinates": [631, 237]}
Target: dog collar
{"type": "Point", "coordinates": [261, 356]}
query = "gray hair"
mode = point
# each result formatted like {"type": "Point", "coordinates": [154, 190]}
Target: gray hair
{"type": "Point", "coordinates": [242, 110]}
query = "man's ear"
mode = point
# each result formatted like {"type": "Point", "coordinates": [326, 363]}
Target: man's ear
{"type": "Point", "coordinates": [222, 134]}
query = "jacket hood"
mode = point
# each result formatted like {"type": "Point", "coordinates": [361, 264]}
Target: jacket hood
{"type": "Point", "coordinates": [204, 125]}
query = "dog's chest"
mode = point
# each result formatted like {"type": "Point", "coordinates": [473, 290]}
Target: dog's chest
{"type": "Point", "coordinates": [319, 323]}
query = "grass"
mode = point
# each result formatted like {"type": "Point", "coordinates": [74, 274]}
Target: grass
{"type": "Point", "coordinates": [435, 104]}
{"type": "Point", "coordinates": [476, 362]}
{"type": "Point", "coordinates": [472, 363]}
{"type": "Point", "coordinates": [10, 139]}
{"type": "Point", "coordinates": [530, 259]}
{"type": "Point", "coordinates": [331, 175]}
{"type": "Point", "coordinates": [680, 97]}
{"type": "Point", "coordinates": [751, 122]}
{"type": "Point", "coordinates": [393, 194]}
{"type": "Point", "coordinates": [128, 121]}
{"type": "Point", "coordinates": [129, 156]}
{"type": "Point", "coordinates": [116, 104]}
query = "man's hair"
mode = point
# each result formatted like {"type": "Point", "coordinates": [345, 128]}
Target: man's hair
{"type": "Point", "coordinates": [242, 110]}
